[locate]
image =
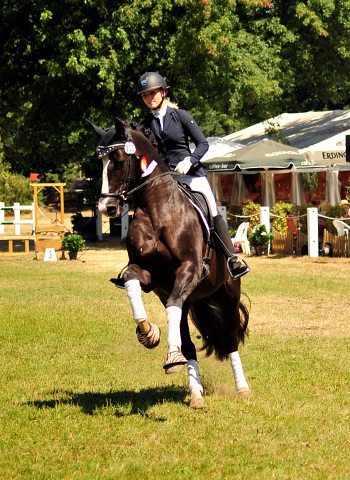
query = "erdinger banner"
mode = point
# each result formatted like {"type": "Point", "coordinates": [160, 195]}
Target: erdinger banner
{"type": "Point", "coordinates": [332, 151]}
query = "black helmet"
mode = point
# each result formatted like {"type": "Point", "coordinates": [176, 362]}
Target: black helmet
{"type": "Point", "coordinates": [150, 81]}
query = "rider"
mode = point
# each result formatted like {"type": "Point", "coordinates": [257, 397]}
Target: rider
{"type": "Point", "coordinates": [171, 127]}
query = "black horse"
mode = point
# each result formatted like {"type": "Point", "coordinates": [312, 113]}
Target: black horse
{"type": "Point", "coordinates": [168, 254]}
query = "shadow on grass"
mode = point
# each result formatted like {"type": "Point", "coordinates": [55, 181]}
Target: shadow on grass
{"type": "Point", "coordinates": [124, 402]}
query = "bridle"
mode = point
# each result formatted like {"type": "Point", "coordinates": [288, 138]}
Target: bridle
{"type": "Point", "coordinates": [127, 146]}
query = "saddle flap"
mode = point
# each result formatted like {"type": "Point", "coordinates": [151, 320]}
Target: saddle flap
{"type": "Point", "coordinates": [201, 203]}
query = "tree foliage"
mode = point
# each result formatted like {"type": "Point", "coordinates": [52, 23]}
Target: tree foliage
{"type": "Point", "coordinates": [231, 63]}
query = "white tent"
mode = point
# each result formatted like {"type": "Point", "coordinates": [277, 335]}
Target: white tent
{"type": "Point", "coordinates": [300, 130]}
{"type": "Point", "coordinates": [330, 151]}
{"type": "Point", "coordinates": [218, 146]}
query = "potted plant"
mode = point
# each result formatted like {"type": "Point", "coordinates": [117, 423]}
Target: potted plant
{"type": "Point", "coordinates": [260, 238]}
{"type": "Point", "coordinates": [74, 243]}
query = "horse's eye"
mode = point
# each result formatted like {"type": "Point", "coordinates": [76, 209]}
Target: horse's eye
{"type": "Point", "coordinates": [119, 165]}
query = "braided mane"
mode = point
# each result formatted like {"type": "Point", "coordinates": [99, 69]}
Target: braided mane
{"type": "Point", "coordinates": [146, 133]}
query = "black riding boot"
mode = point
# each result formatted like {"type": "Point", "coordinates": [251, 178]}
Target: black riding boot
{"type": "Point", "coordinates": [234, 266]}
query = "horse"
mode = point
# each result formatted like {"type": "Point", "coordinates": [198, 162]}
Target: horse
{"type": "Point", "coordinates": [167, 246]}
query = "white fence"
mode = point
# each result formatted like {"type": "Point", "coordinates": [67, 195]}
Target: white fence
{"type": "Point", "coordinates": [17, 222]}
{"type": "Point", "coordinates": [312, 228]}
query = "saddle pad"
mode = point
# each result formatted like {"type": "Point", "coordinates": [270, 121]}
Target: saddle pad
{"type": "Point", "coordinates": [199, 202]}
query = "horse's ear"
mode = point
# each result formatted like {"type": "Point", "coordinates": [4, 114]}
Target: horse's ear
{"type": "Point", "coordinates": [120, 131]}
{"type": "Point", "coordinates": [99, 132]}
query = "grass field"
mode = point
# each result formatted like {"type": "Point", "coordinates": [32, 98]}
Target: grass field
{"type": "Point", "coordinates": [80, 398]}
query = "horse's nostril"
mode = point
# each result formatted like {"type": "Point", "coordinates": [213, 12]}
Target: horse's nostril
{"type": "Point", "coordinates": [111, 210]}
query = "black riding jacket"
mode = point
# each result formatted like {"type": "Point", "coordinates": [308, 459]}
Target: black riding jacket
{"type": "Point", "coordinates": [178, 127]}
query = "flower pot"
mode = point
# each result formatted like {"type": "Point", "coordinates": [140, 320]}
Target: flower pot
{"type": "Point", "coordinates": [73, 255]}
{"type": "Point", "coordinates": [261, 250]}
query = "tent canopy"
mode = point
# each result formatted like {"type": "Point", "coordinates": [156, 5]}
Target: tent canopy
{"type": "Point", "coordinates": [218, 146]}
{"type": "Point", "coordinates": [331, 151]}
{"type": "Point", "coordinates": [259, 156]}
{"type": "Point", "coordinates": [299, 129]}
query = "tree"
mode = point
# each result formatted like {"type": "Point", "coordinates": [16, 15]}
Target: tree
{"type": "Point", "coordinates": [231, 63]}
{"type": "Point", "coordinates": [62, 62]}
{"type": "Point", "coordinates": [317, 61]}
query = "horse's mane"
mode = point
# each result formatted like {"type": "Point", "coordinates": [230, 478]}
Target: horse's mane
{"type": "Point", "coordinates": [146, 133]}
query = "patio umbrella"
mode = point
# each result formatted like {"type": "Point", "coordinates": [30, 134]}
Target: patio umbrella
{"type": "Point", "coordinates": [266, 156]}
{"type": "Point", "coordinates": [260, 156]}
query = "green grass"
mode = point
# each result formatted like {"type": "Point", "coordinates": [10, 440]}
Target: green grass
{"type": "Point", "coordinates": [81, 399]}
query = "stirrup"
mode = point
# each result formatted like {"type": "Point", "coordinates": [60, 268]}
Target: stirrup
{"type": "Point", "coordinates": [118, 282]}
{"type": "Point", "coordinates": [240, 274]}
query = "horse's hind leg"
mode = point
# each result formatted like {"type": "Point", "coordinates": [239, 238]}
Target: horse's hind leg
{"type": "Point", "coordinates": [195, 386]}
{"type": "Point", "coordinates": [227, 299]}
{"type": "Point", "coordinates": [240, 380]}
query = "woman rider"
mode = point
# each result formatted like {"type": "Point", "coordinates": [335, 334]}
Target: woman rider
{"type": "Point", "coordinates": [171, 127]}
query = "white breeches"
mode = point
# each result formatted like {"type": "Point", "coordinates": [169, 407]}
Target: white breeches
{"type": "Point", "coordinates": [201, 184]}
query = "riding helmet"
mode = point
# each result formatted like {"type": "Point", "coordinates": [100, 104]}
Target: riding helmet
{"type": "Point", "coordinates": [150, 81]}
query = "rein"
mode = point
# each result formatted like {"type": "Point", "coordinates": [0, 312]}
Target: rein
{"type": "Point", "coordinates": [123, 194]}
{"type": "Point", "coordinates": [150, 180]}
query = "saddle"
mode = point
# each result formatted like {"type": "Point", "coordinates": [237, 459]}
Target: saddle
{"type": "Point", "coordinates": [201, 203]}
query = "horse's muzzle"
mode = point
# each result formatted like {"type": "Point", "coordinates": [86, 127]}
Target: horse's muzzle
{"type": "Point", "coordinates": [109, 206]}
{"type": "Point", "coordinates": [111, 211]}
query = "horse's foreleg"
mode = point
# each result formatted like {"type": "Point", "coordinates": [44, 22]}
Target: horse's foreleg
{"type": "Point", "coordinates": [148, 334]}
{"type": "Point", "coordinates": [174, 361]}
{"type": "Point", "coordinates": [186, 280]}
{"type": "Point", "coordinates": [133, 291]}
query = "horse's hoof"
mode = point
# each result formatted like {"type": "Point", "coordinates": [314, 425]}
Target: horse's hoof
{"type": "Point", "coordinates": [150, 339]}
{"type": "Point", "coordinates": [244, 392]}
{"type": "Point", "coordinates": [174, 362]}
{"type": "Point", "coordinates": [196, 401]}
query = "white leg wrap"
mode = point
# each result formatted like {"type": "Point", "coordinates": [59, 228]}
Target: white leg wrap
{"type": "Point", "coordinates": [236, 365]}
{"type": "Point", "coordinates": [133, 291]}
{"type": "Point", "coordinates": [173, 316]}
{"type": "Point", "coordinates": [194, 382]}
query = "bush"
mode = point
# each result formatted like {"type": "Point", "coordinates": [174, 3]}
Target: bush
{"type": "Point", "coordinates": [300, 211]}
{"type": "Point", "coordinates": [334, 211]}
{"type": "Point", "coordinates": [15, 188]}
{"type": "Point", "coordinates": [235, 221]}
{"type": "Point", "coordinates": [251, 209]}
{"type": "Point", "coordinates": [260, 237]}
{"type": "Point", "coordinates": [73, 243]}
{"type": "Point", "coordinates": [281, 209]}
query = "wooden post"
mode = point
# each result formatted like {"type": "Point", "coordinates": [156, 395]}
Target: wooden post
{"type": "Point", "coordinates": [48, 228]}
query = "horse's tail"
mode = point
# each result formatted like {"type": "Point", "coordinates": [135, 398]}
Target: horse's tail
{"type": "Point", "coordinates": [208, 320]}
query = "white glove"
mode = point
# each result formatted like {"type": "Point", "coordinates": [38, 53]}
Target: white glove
{"type": "Point", "coordinates": [184, 166]}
